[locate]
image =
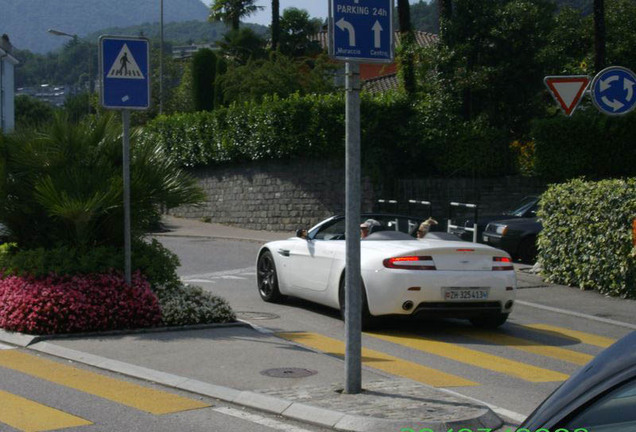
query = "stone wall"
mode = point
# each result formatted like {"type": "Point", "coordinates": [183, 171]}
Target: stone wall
{"type": "Point", "coordinates": [273, 196]}
{"type": "Point", "coordinates": [277, 196]}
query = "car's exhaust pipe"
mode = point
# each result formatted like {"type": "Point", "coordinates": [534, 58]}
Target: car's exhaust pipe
{"type": "Point", "coordinates": [407, 305]}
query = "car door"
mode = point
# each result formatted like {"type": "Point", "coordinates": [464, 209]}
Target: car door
{"type": "Point", "coordinates": [310, 261]}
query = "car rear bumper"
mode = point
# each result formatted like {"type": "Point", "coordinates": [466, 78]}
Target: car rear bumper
{"type": "Point", "coordinates": [421, 292]}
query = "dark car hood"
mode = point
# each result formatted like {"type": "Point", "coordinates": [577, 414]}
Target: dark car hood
{"type": "Point", "coordinates": [620, 358]}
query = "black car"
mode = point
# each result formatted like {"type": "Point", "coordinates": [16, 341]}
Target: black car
{"type": "Point", "coordinates": [518, 237]}
{"type": "Point", "coordinates": [600, 397]}
{"type": "Point", "coordinates": [527, 208]}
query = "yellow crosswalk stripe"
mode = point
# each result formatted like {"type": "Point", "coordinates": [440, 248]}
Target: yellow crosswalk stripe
{"type": "Point", "coordinates": [26, 415]}
{"type": "Point", "coordinates": [528, 345]}
{"type": "Point", "coordinates": [473, 357]}
{"type": "Point", "coordinates": [381, 361]}
{"type": "Point", "coordinates": [125, 393]}
{"type": "Point", "coordinates": [586, 338]}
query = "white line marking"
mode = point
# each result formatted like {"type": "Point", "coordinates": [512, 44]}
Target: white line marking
{"type": "Point", "coordinates": [578, 314]}
{"type": "Point", "coordinates": [197, 280]}
{"type": "Point", "coordinates": [254, 418]}
{"type": "Point", "coordinates": [246, 270]}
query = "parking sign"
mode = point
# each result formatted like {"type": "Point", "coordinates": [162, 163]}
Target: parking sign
{"type": "Point", "coordinates": [361, 31]}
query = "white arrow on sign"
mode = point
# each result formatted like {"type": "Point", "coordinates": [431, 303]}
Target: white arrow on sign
{"type": "Point", "coordinates": [614, 104]}
{"type": "Point", "coordinates": [606, 83]}
{"type": "Point", "coordinates": [628, 85]}
{"type": "Point", "coordinates": [377, 32]}
{"type": "Point", "coordinates": [345, 25]}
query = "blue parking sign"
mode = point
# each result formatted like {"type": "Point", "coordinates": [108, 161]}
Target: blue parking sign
{"type": "Point", "coordinates": [361, 30]}
{"type": "Point", "coordinates": [124, 72]}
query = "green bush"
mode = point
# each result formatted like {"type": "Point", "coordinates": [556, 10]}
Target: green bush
{"type": "Point", "coordinates": [587, 239]}
{"type": "Point", "coordinates": [397, 135]}
{"type": "Point", "coordinates": [588, 143]}
{"type": "Point", "coordinates": [153, 260]}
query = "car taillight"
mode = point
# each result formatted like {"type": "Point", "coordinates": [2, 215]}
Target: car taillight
{"type": "Point", "coordinates": [502, 263]}
{"type": "Point", "coordinates": [410, 263]}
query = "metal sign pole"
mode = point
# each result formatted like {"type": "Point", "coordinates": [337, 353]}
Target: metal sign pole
{"type": "Point", "coordinates": [126, 161]}
{"type": "Point", "coordinates": [353, 293]}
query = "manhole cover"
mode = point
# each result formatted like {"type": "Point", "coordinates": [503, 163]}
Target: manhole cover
{"type": "Point", "coordinates": [256, 315]}
{"type": "Point", "coordinates": [288, 373]}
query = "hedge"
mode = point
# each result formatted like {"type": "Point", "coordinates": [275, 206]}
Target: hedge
{"type": "Point", "coordinates": [587, 235]}
{"type": "Point", "coordinates": [398, 136]}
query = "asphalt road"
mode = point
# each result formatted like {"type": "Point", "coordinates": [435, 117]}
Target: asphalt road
{"type": "Point", "coordinates": [513, 369]}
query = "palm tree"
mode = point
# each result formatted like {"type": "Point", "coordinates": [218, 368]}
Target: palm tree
{"type": "Point", "coordinates": [231, 11]}
{"type": "Point", "coordinates": [63, 185]}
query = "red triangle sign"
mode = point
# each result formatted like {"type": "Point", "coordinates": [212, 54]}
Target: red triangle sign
{"type": "Point", "coordinates": [567, 91]}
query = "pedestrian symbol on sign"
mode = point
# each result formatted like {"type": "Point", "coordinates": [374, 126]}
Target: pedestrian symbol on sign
{"type": "Point", "coordinates": [125, 66]}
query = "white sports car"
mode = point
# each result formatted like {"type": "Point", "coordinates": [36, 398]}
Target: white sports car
{"type": "Point", "coordinates": [436, 276]}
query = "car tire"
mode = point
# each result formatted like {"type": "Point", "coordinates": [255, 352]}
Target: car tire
{"type": "Point", "coordinates": [367, 319]}
{"type": "Point", "coordinates": [527, 251]}
{"type": "Point", "coordinates": [267, 278]}
{"type": "Point", "coordinates": [489, 321]}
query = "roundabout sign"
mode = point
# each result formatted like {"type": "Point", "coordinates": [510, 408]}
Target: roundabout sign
{"type": "Point", "coordinates": [613, 92]}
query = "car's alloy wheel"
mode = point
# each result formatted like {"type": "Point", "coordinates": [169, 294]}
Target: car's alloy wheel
{"type": "Point", "coordinates": [267, 279]}
{"type": "Point", "coordinates": [489, 321]}
{"type": "Point", "coordinates": [367, 318]}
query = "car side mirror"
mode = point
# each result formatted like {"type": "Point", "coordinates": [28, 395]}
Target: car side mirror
{"type": "Point", "coordinates": [301, 233]}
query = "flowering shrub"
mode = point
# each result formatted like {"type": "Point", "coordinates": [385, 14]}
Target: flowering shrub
{"type": "Point", "coordinates": [187, 305]}
{"type": "Point", "coordinates": [68, 304]}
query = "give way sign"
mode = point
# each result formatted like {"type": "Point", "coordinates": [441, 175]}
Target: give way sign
{"type": "Point", "coordinates": [567, 90]}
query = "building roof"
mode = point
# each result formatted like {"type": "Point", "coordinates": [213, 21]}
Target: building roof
{"type": "Point", "coordinates": [381, 84]}
{"type": "Point", "coordinates": [5, 50]}
{"type": "Point", "coordinates": [422, 38]}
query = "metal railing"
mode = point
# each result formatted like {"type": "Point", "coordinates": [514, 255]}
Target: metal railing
{"type": "Point", "coordinates": [450, 226]}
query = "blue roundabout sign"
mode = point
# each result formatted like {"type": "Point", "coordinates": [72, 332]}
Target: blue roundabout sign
{"type": "Point", "coordinates": [613, 90]}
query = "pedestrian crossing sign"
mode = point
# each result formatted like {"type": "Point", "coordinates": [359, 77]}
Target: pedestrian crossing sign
{"type": "Point", "coordinates": [124, 72]}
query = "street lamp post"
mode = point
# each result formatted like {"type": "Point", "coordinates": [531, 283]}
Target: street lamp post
{"type": "Point", "coordinates": [74, 36]}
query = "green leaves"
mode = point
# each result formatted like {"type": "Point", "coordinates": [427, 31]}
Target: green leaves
{"type": "Point", "coordinates": [586, 239]}
{"type": "Point", "coordinates": [62, 185]}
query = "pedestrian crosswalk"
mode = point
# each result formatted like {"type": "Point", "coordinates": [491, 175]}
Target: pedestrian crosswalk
{"type": "Point", "coordinates": [27, 415]}
{"type": "Point", "coordinates": [412, 344]}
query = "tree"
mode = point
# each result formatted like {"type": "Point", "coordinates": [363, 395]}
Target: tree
{"type": "Point", "coordinates": [295, 29]}
{"type": "Point", "coordinates": [203, 79]}
{"type": "Point", "coordinates": [599, 35]}
{"type": "Point", "coordinates": [279, 75]}
{"type": "Point", "coordinates": [61, 184]}
{"type": "Point", "coordinates": [407, 49]}
{"type": "Point", "coordinates": [231, 11]}
{"type": "Point", "coordinates": [275, 23]}
{"type": "Point", "coordinates": [490, 60]}
{"type": "Point", "coordinates": [31, 112]}
{"type": "Point", "coordinates": [239, 46]}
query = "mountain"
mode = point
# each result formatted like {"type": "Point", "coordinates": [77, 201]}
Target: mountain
{"type": "Point", "coordinates": [26, 21]}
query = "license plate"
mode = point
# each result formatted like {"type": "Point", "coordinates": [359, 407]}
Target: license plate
{"type": "Point", "coordinates": [468, 293]}
{"type": "Point", "coordinates": [485, 239]}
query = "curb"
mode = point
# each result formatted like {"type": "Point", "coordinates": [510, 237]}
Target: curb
{"type": "Point", "coordinates": [289, 409]}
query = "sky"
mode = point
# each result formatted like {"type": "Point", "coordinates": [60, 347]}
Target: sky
{"type": "Point", "coordinates": [316, 9]}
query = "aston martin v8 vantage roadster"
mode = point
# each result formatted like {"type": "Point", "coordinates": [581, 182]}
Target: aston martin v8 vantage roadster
{"type": "Point", "coordinates": [435, 276]}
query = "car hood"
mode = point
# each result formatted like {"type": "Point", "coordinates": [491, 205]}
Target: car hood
{"type": "Point", "coordinates": [618, 359]}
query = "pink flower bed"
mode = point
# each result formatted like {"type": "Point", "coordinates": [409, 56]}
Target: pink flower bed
{"type": "Point", "coordinates": [74, 304]}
